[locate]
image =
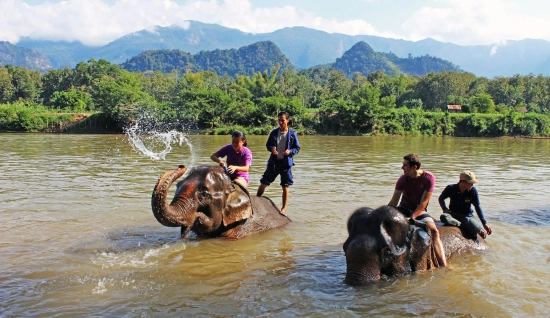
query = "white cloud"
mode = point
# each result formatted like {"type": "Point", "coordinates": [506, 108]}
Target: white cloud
{"type": "Point", "coordinates": [472, 22]}
{"type": "Point", "coordinates": [91, 21]}
{"type": "Point", "coordinates": [496, 46]}
{"type": "Point", "coordinates": [95, 22]}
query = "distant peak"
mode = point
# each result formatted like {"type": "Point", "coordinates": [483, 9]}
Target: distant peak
{"type": "Point", "coordinates": [360, 47]}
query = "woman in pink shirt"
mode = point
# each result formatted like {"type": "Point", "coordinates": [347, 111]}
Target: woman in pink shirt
{"type": "Point", "coordinates": [239, 158]}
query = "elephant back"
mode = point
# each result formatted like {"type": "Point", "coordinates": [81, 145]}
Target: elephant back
{"type": "Point", "coordinates": [456, 240]}
{"type": "Point", "coordinates": [265, 216]}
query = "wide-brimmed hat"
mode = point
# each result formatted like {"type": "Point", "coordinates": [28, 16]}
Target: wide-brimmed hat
{"type": "Point", "coordinates": [468, 176]}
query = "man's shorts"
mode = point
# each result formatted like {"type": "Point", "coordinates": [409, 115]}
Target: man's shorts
{"type": "Point", "coordinates": [272, 171]}
{"type": "Point", "coordinates": [424, 216]}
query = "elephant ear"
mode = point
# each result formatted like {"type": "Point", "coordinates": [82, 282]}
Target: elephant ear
{"type": "Point", "coordinates": [420, 245]}
{"type": "Point", "coordinates": [238, 206]}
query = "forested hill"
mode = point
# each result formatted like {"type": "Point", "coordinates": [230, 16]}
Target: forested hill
{"type": "Point", "coordinates": [247, 60]}
{"type": "Point", "coordinates": [262, 56]}
{"type": "Point", "coordinates": [19, 56]}
{"type": "Point", "coordinates": [363, 59]}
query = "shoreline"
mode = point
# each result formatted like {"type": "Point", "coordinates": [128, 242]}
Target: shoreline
{"type": "Point", "coordinates": [103, 132]}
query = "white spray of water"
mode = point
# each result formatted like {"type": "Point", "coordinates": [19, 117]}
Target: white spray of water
{"type": "Point", "coordinates": [153, 142]}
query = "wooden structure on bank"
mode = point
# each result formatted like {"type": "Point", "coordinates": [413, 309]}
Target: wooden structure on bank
{"type": "Point", "coordinates": [454, 108]}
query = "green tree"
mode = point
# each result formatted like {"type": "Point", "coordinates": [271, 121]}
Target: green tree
{"type": "Point", "coordinates": [508, 91]}
{"type": "Point", "coordinates": [292, 85]}
{"type": "Point", "coordinates": [115, 96]}
{"type": "Point", "coordinates": [482, 103]}
{"type": "Point", "coordinates": [6, 87]}
{"type": "Point", "coordinates": [318, 75]}
{"type": "Point", "coordinates": [360, 114]}
{"type": "Point", "coordinates": [267, 109]}
{"type": "Point", "coordinates": [26, 83]}
{"type": "Point", "coordinates": [73, 99]}
{"type": "Point", "coordinates": [56, 81]}
{"type": "Point", "coordinates": [207, 107]}
{"type": "Point", "coordinates": [537, 93]}
{"type": "Point", "coordinates": [414, 103]}
{"type": "Point", "coordinates": [260, 84]}
{"type": "Point", "coordinates": [338, 85]}
{"type": "Point", "coordinates": [160, 86]}
{"type": "Point", "coordinates": [434, 88]}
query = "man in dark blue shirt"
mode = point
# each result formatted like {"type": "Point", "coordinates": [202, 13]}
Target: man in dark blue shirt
{"type": "Point", "coordinates": [283, 145]}
{"type": "Point", "coordinates": [463, 195]}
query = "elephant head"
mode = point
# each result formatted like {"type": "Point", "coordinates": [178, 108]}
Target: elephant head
{"type": "Point", "coordinates": [206, 201]}
{"type": "Point", "coordinates": [382, 243]}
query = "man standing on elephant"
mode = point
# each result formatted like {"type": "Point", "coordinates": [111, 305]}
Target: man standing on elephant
{"type": "Point", "coordinates": [463, 195]}
{"type": "Point", "coordinates": [283, 145]}
{"type": "Point", "coordinates": [415, 188]}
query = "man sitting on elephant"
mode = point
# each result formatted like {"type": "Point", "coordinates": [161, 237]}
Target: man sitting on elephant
{"type": "Point", "coordinates": [463, 195]}
{"type": "Point", "coordinates": [415, 188]}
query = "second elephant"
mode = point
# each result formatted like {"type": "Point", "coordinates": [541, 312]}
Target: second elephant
{"type": "Point", "coordinates": [381, 243]}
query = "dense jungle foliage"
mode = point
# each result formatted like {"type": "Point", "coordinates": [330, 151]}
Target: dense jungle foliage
{"type": "Point", "coordinates": [100, 96]}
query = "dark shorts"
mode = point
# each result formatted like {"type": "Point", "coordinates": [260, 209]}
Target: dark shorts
{"type": "Point", "coordinates": [424, 216]}
{"type": "Point", "coordinates": [272, 171]}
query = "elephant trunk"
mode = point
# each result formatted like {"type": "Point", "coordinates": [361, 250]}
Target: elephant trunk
{"type": "Point", "coordinates": [181, 212]}
{"type": "Point", "coordinates": [363, 265]}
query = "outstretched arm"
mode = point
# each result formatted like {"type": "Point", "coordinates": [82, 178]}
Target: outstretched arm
{"type": "Point", "coordinates": [481, 217]}
{"type": "Point", "coordinates": [479, 211]}
{"type": "Point", "coordinates": [217, 159]}
{"type": "Point", "coordinates": [395, 198]}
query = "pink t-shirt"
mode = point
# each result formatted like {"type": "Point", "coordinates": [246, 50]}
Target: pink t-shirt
{"type": "Point", "coordinates": [413, 188]}
{"type": "Point", "coordinates": [234, 158]}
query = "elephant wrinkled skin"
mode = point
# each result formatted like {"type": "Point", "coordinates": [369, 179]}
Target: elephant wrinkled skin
{"type": "Point", "coordinates": [208, 203]}
{"type": "Point", "coordinates": [381, 243]}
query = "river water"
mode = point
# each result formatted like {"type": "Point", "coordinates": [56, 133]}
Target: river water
{"type": "Point", "coordinates": [78, 237]}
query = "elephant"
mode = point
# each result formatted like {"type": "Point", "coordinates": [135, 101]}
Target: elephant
{"type": "Point", "coordinates": [382, 243]}
{"type": "Point", "coordinates": [209, 203]}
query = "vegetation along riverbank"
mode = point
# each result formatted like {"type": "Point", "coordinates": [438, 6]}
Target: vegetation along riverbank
{"type": "Point", "coordinates": [97, 96]}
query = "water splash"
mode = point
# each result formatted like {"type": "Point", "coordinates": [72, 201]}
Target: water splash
{"type": "Point", "coordinates": [156, 145]}
{"type": "Point", "coordinates": [153, 139]}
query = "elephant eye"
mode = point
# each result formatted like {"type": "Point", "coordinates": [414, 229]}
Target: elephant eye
{"type": "Point", "coordinates": [203, 197]}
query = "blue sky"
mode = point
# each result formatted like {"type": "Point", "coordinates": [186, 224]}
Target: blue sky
{"type": "Point", "coordinates": [463, 22]}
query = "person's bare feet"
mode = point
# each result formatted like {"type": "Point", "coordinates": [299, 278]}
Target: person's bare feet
{"type": "Point", "coordinates": [283, 211]}
{"type": "Point", "coordinates": [483, 234]}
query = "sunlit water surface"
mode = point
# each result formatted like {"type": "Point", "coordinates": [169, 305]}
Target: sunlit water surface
{"type": "Point", "coordinates": [78, 237]}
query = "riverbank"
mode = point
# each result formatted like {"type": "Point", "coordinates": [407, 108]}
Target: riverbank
{"type": "Point", "coordinates": [37, 118]}
{"type": "Point", "coordinates": [395, 122]}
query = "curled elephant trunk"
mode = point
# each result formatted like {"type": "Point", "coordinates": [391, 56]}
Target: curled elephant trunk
{"type": "Point", "coordinates": [179, 212]}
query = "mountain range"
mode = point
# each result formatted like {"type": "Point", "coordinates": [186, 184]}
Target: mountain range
{"type": "Point", "coordinates": [304, 47]}
{"type": "Point", "coordinates": [247, 60]}
{"type": "Point", "coordinates": [261, 56]}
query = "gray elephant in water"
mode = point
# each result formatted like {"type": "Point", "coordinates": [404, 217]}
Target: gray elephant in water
{"type": "Point", "coordinates": [382, 243]}
{"type": "Point", "coordinates": [208, 203]}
